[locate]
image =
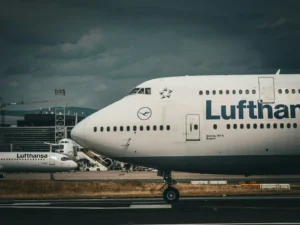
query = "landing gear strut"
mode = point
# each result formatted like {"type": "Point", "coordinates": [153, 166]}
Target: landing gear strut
{"type": "Point", "coordinates": [171, 194]}
{"type": "Point", "coordinates": [1, 175]}
{"type": "Point", "coordinates": [51, 176]}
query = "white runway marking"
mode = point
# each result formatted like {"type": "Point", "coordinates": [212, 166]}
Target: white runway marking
{"type": "Point", "coordinates": [32, 206]}
{"type": "Point", "coordinates": [28, 203]}
{"type": "Point", "coordinates": [151, 206]}
{"type": "Point", "coordinates": [230, 223]}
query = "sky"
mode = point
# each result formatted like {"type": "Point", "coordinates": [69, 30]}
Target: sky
{"type": "Point", "coordinates": [99, 50]}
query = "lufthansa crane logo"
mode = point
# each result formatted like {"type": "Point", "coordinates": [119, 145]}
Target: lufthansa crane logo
{"type": "Point", "coordinates": [144, 113]}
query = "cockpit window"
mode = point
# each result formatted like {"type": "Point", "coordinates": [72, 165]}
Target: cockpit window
{"type": "Point", "coordinates": [141, 91]}
{"type": "Point", "coordinates": [134, 91]}
{"type": "Point", "coordinates": [64, 159]}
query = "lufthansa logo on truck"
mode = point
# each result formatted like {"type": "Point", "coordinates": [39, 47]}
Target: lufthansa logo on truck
{"type": "Point", "coordinates": [144, 113]}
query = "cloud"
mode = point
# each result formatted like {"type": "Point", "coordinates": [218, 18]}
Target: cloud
{"type": "Point", "coordinates": [278, 23]}
{"type": "Point", "coordinates": [98, 51]}
{"type": "Point", "coordinates": [13, 84]}
{"type": "Point", "coordinates": [87, 44]}
{"type": "Point", "coordinates": [100, 87]}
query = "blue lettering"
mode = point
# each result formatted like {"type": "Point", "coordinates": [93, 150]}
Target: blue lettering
{"type": "Point", "coordinates": [209, 116]}
{"type": "Point", "coordinates": [264, 111]}
{"type": "Point", "coordinates": [232, 112]}
{"type": "Point", "coordinates": [293, 110]}
{"type": "Point", "coordinates": [251, 108]}
{"type": "Point", "coordinates": [261, 107]}
{"type": "Point", "coordinates": [281, 109]}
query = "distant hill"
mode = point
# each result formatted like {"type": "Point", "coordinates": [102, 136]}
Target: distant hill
{"type": "Point", "coordinates": [69, 111]}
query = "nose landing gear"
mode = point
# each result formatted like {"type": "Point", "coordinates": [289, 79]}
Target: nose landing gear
{"type": "Point", "coordinates": [171, 194]}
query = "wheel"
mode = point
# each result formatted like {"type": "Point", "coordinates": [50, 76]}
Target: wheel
{"type": "Point", "coordinates": [98, 169]}
{"type": "Point", "coordinates": [171, 195]}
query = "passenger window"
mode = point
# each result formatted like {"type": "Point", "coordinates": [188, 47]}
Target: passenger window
{"type": "Point", "coordinates": [248, 126]}
{"type": "Point", "coordinates": [280, 91]}
{"type": "Point", "coordinates": [168, 127]}
{"type": "Point", "coordinates": [128, 128]}
{"type": "Point", "coordinates": [254, 125]}
{"type": "Point", "coordinates": [293, 91]}
{"type": "Point", "coordinates": [121, 128]}
{"type": "Point", "coordinates": [214, 92]}
{"type": "Point", "coordinates": [148, 127]}
{"type": "Point", "coordinates": [241, 126]}
{"type": "Point", "coordinates": [286, 91]}
{"type": "Point", "coordinates": [295, 125]}
{"type": "Point", "coordinates": [299, 91]}
{"type": "Point", "coordinates": [233, 92]}
{"type": "Point", "coordinates": [134, 128]}
{"type": "Point", "coordinates": [234, 126]}
{"type": "Point", "coordinates": [215, 126]}
{"type": "Point", "coordinates": [207, 92]}
{"type": "Point", "coordinates": [281, 125]}
{"type": "Point", "coordinates": [141, 128]}
{"type": "Point", "coordinates": [148, 91]}
{"type": "Point", "coordinates": [200, 92]}
{"type": "Point", "coordinates": [220, 92]}
{"type": "Point", "coordinates": [253, 91]}
{"type": "Point", "coordinates": [154, 127]}
{"type": "Point", "coordinates": [261, 126]}
{"type": "Point", "coordinates": [228, 126]}
{"type": "Point", "coordinates": [95, 129]}
{"type": "Point", "coordinates": [161, 127]}
{"type": "Point", "coordinates": [247, 92]}
{"type": "Point", "coordinates": [288, 125]}
{"type": "Point", "coordinates": [101, 129]}
{"type": "Point", "coordinates": [240, 91]}
{"type": "Point", "coordinates": [268, 125]}
{"type": "Point", "coordinates": [115, 128]}
{"type": "Point", "coordinates": [107, 129]}
{"type": "Point", "coordinates": [227, 92]}
{"type": "Point", "coordinates": [275, 125]}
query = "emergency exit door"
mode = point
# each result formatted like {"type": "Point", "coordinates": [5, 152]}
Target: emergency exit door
{"type": "Point", "coordinates": [192, 127]}
{"type": "Point", "coordinates": [266, 90]}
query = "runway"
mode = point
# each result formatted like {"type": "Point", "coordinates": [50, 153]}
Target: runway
{"type": "Point", "coordinates": [150, 177]}
{"type": "Point", "coordinates": [204, 210]}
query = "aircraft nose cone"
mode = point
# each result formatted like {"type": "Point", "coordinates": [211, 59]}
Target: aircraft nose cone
{"type": "Point", "coordinates": [78, 133]}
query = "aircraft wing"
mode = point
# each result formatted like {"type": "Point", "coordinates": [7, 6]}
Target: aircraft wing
{"type": "Point", "coordinates": [47, 143]}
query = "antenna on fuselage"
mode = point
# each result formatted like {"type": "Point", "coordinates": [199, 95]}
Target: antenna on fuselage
{"type": "Point", "coordinates": [278, 72]}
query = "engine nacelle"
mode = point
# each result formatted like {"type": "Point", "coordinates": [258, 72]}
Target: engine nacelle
{"type": "Point", "coordinates": [108, 162]}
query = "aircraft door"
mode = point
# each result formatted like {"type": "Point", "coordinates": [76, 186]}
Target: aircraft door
{"type": "Point", "coordinates": [51, 160]}
{"type": "Point", "coordinates": [192, 127]}
{"type": "Point", "coordinates": [266, 90]}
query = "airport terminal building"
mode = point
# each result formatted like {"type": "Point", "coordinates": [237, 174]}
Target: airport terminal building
{"type": "Point", "coordinates": [30, 133]}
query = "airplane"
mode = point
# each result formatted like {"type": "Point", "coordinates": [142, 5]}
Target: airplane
{"type": "Point", "coordinates": [217, 124]}
{"type": "Point", "coordinates": [39, 162]}
{"type": "Point", "coordinates": [70, 148]}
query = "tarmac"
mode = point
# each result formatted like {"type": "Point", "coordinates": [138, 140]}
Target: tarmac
{"type": "Point", "coordinates": [150, 176]}
{"type": "Point", "coordinates": [200, 210]}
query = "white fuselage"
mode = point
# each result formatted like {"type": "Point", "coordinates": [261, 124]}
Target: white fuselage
{"type": "Point", "coordinates": [41, 162]}
{"type": "Point", "coordinates": [238, 124]}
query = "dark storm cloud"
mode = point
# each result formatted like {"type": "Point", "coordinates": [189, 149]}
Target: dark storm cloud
{"type": "Point", "coordinates": [99, 50]}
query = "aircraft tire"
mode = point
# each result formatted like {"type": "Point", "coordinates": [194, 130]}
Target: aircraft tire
{"type": "Point", "coordinates": [171, 195]}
